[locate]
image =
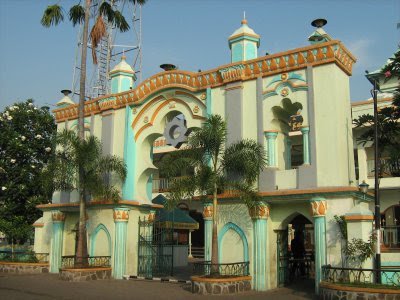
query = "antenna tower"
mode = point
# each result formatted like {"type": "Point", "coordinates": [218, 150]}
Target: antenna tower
{"type": "Point", "coordinates": [97, 76]}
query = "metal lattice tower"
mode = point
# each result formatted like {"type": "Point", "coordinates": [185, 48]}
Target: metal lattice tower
{"type": "Point", "coordinates": [97, 76]}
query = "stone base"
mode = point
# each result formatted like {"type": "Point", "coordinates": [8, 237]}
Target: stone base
{"type": "Point", "coordinates": [218, 286]}
{"type": "Point", "coordinates": [85, 274]}
{"type": "Point", "coordinates": [330, 291]}
{"type": "Point", "coordinates": [24, 268]}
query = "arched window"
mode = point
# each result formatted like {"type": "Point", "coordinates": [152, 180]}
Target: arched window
{"type": "Point", "coordinates": [390, 220]}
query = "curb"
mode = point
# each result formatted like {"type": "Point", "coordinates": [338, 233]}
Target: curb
{"type": "Point", "coordinates": [159, 279]}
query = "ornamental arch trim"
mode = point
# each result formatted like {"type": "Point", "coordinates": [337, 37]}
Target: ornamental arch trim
{"type": "Point", "coordinates": [94, 236]}
{"type": "Point", "coordinates": [242, 235]}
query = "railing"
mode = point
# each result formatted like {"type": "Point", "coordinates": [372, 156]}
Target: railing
{"type": "Point", "coordinates": [24, 256]}
{"type": "Point", "coordinates": [389, 276]}
{"type": "Point", "coordinates": [198, 252]}
{"type": "Point", "coordinates": [232, 269]}
{"type": "Point", "coordinates": [94, 261]}
{"type": "Point", "coordinates": [160, 185]}
{"type": "Point", "coordinates": [391, 237]}
{"type": "Point", "coordinates": [389, 167]}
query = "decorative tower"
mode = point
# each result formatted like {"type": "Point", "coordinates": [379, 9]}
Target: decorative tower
{"type": "Point", "coordinates": [122, 77]}
{"type": "Point", "coordinates": [244, 43]}
{"type": "Point", "coordinates": [319, 35]}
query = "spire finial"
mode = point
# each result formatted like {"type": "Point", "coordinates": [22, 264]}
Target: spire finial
{"type": "Point", "coordinates": [244, 21]}
{"type": "Point", "coordinates": [123, 57]}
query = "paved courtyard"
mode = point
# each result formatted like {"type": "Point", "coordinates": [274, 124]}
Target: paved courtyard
{"type": "Point", "coordinates": [48, 286]}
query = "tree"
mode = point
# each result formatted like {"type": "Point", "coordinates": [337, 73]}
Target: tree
{"type": "Point", "coordinates": [217, 169]}
{"type": "Point", "coordinates": [99, 174]}
{"type": "Point", "coordinates": [78, 14]}
{"type": "Point", "coordinates": [388, 120]}
{"type": "Point", "coordinates": [26, 134]}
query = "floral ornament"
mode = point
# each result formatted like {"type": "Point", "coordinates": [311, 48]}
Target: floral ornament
{"type": "Point", "coordinates": [388, 74]}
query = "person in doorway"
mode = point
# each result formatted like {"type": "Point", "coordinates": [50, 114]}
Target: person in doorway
{"type": "Point", "coordinates": [298, 253]}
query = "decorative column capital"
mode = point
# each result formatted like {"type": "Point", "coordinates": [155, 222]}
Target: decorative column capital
{"type": "Point", "coordinates": [57, 216]}
{"type": "Point", "coordinates": [208, 211]}
{"type": "Point", "coordinates": [121, 214]}
{"type": "Point", "coordinates": [271, 134]}
{"type": "Point", "coordinates": [319, 206]}
{"type": "Point", "coordinates": [305, 129]}
{"type": "Point", "coordinates": [151, 216]}
{"type": "Point", "coordinates": [259, 211]}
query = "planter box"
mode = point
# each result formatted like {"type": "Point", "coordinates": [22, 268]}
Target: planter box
{"type": "Point", "coordinates": [23, 268]}
{"type": "Point", "coordinates": [85, 274]}
{"type": "Point", "coordinates": [330, 291]}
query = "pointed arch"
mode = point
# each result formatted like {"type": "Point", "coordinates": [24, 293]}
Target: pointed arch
{"type": "Point", "coordinates": [242, 235]}
{"type": "Point", "coordinates": [93, 237]}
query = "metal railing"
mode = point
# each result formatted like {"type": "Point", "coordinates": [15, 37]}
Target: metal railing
{"type": "Point", "coordinates": [390, 236]}
{"type": "Point", "coordinates": [198, 252]}
{"type": "Point", "coordinates": [24, 256]}
{"type": "Point", "coordinates": [231, 269]}
{"type": "Point", "coordinates": [389, 275]}
{"type": "Point", "coordinates": [389, 167]}
{"type": "Point", "coordinates": [94, 261]}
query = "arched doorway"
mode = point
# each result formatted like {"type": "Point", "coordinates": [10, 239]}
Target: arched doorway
{"type": "Point", "coordinates": [295, 250]}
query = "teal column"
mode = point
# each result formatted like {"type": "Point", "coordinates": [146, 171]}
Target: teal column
{"type": "Point", "coordinates": [318, 208]}
{"type": "Point", "coordinates": [208, 216]}
{"type": "Point", "coordinates": [56, 241]}
{"type": "Point", "coordinates": [306, 145]}
{"type": "Point", "coordinates": [259, 214]}
{"type": "Point", "coordinates": [271, 147]}
{"type": "Point", "coordinates": [129, 157]}
{"type": "Point", "coordinates": [289, 153]}
{"type": "Point", "coordinates": [208, 102]}
{"type": "Point", "coordinates": [121, 218]}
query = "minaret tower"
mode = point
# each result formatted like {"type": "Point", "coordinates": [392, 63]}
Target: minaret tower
{"type": "Point", "coordinates": [122, 77]}
{"type": "Point", "coordinates": [244, 43]}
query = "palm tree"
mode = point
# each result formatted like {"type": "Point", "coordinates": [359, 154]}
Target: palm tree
{"type": "Point", "coordinates": [85, 156]}
{"type": "Point", "coordinates": [217, 169]}
{"type": "Point", "coordinates": [78, 14]}
{"type": "Point", "coordinates": [285, 112]}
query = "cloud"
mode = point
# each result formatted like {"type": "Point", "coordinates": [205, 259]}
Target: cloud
{"type": "Point", "coordinates": [361, 50]}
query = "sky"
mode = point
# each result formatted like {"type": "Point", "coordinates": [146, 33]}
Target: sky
{"type": "Point", "coordinates": [38, 62]}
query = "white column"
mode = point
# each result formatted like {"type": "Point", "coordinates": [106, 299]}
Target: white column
{"type": "Point", "coordinates": [190, 244]}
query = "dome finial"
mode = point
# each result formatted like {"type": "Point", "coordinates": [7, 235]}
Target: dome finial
{"type": "Point", "coordinates": [244, 21]}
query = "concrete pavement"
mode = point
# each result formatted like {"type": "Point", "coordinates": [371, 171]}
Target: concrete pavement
{"type": "Point", "coordinates": [48, 286]}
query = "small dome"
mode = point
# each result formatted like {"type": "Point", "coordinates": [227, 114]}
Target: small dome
{"type": "Point", "coordinates": [66, 100]}
{"type": "Point", "coordinates": [123, 66]}
{"type": "Point", "coordinates": [243, 30]}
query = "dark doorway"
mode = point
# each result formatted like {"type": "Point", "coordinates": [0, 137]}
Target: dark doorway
{"type": "Point", "coordinates": [295, 244]}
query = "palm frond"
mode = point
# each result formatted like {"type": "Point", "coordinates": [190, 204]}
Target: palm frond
{"type": "Point", "coordinates": [77, 14]}
{"type": "Point", "coordinates": [98, 31]}
{"type": "Point", "coordinates": [113, 164]}
{"type": "Point", "coordinates": [120, 22]}
{"type": "Point", "coordinates": [106, 11]}
{"type": "Point", "coordinates": [244, 160]}
{"type": "Point", "coordinates": [52, 15]}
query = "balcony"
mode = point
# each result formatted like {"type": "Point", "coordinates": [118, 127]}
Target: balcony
{"type": "Point", "coordinates": [389, 168]}
{"type": "Point", "coordinates": [390, 238]}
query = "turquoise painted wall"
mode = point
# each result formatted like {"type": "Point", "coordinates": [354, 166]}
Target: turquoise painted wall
{"type": "Point", "coordinates": [251, 51]}
{"type": "Point", "coordinates": [125, 84]}
{"type": "Point", "coordinates": [237, 52]}
{"type": "Point", "coordinates": [114, 85]}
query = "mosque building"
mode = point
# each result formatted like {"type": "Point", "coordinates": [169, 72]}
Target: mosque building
{"type": "Point", "coordinates": [296, 103]}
